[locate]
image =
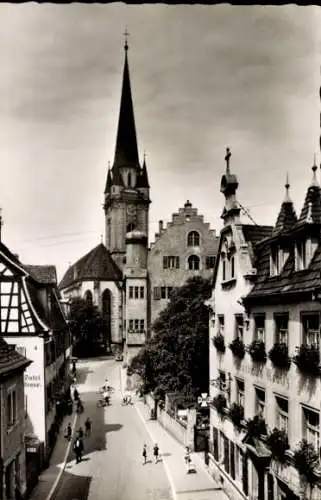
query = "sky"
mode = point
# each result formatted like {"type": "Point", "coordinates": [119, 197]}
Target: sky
{"type": "Point", "coordinates": [203, 78]}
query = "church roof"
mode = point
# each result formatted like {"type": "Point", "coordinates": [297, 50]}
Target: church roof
{"type": "Point", "coordinates": [42, 274]}
{"type": "Point", "coordinates": [108, 182]}
{"type": "Point", "coordinates": [126, 153]}
{"type": "Point", "coordinates": [95, 265]}
{"type": "Point", "coordinates": [10, 359]}
{"type": "Point", "coordinates": [143, 177]}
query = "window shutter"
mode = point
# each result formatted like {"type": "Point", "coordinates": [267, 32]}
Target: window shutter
{"type": "Point", "coordinates": [156, 293]}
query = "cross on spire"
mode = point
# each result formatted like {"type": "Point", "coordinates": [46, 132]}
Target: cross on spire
{"type": "Point", "coordinates": [126, 35]}
{"type": "Point", "coordinates": [227, 159]}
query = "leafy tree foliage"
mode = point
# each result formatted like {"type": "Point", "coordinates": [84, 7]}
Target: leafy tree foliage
{"type": "Point", "coordinates": [86, 327]}
{"type": "Point", "coordinates": [176, 357]}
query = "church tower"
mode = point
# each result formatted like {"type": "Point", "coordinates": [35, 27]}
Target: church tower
{"type": "Point", "coordinates": [127, 189]}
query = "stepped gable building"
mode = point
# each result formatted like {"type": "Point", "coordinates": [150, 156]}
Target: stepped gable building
{"type": "Point", "coordinates": [32, 319]}
{"type": "Point", "coordinates": [185, 247]}
{"type": "Point", "coordinates": [12, 427]}
{"type": "Point", "coordinates": [122, 276]}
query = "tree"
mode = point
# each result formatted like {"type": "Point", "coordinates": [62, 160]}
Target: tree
{"type": "Point", "coordinates": [86, 326]}
{"type": "Point", "coordinates": [176, 357]}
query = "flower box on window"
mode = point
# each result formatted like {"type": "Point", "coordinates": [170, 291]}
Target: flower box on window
{"type": "Point", "coordinates": [257, 351]}
{"type": "Point", "coordinates": [256, 427]}
{"type": "Point", "coordinates": [306, 461]}
{"type": "Point", "coordinates": [307, 359]}
{"type": "Point", "coordinates": [219, 403]}
{"type": "Point", "coordinates": [278, 443]}
{"type": "Point", "coordinates": [279, 355]}
{"type": "Point", "coordinates": [236, 414]}
{"type": "Point", "coordinates": [238, 348]}
{"type": "Point", "coordinates": [219, 342]}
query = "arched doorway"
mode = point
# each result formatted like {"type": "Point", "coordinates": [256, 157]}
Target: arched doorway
{"type": "Point", "coordinates": [106, 316]}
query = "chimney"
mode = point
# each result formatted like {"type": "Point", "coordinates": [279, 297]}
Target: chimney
{"type": "Point", "coordinates": [160, 226]}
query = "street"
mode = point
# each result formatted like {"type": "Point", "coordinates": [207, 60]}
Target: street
{"type": "Point", "coordinates": [112, 460]}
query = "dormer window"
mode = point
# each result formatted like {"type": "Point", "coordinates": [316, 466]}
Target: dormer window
{"type": "Point", "coordinates": [301, 257]}
{"type": "Point", "coordinates": [278, 258]}
{"type": "Point", "coordinates": [304, 252]}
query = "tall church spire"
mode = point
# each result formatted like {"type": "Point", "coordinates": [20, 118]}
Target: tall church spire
{"type": "Point", "coordinates": [229, 186]}
{"type": "Point", "coordinates": [126, 153]}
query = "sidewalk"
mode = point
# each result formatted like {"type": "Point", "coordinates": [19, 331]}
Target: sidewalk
{"type": "Point", "coordinates": [49, 478]}
{"type": "Point", "coordinates": [197, 486]}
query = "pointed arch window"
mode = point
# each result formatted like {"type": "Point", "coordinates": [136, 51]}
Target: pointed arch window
{"type": "Point", "coordinates": [193, 239]}
{"type": "Point", "coordinates": [88, 296]}
{"type": "Point", "coordinates": [193, 263]}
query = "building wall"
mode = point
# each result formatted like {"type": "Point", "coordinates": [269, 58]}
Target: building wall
{"type": "Point", "coordinates": [34, 384]}
{"type": "Point", "coordinates": [297, 388]}
{"type": "Point", "coordinates": [12, 445]}
{"type": "Point", "coordinates": [172, 241]}
{"type": "Point", "coordinates": [97, 288]}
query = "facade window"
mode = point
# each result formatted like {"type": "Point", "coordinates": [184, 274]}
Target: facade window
{"type": "Point", "coordinates": [136, 323]}
{"type": "Point", "coordinates": [130, 227]}
{"type": "Point", "coordinates": [131, 292]}
{"type": "Point", "coordinates": [311, 329]}
{"type": "Point", "coordinates": [131, 324]}
{"type": "Point", "coordinates": [239, 326]}
{"type": "Point", "coordinates": [301, 257]}
{"type": "Point", "coordinates": [221, 323]}
{"type": "Point", "coordinates": [260, 402]}
{"type": "Point", "coordinates": [129, 179]}
{"type": "Point", "coordinates": [281, 322]}
{"type": "Point", "coordinates": [193, 239]}
{"type": "Point", "coordinates": [142, 292]}
{"type": "Point", "coordinates": [259, 322]}
{"type": "Point", "coordinates": [142, 325]}
{"type": "Point", "coordinates": [171, 262]}
{"type": "Point", "coordinates": [232, 261]}
{"type": "Point", "coordinates": [136, 292]}
{"type": "Point", "coordinates": [11, 407]}
{"type": "Point", "coordinates": [163, 292]}
{"type": "Point", "coordinates": [223, 268]}
{"type": "Point", "coordinates": [240, 392]}
{"type": "Point", "coordinates": [210, 262]}
{"type": "Point", "coordinates": [311, 428]}
{"type": "Point", "coordinates": [275, 261]}
{"type": "Point", "coordinates": [193, 263]}
{"type": "Point", "coordinates": [282, 413]}
{"type": "Point", "coordinates": [238, 464]}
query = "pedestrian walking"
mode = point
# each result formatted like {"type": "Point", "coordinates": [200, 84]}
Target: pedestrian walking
{"type": "Point", "coordinates": [187, 457]}
{"type": "Point", "coordinates": [144, 454]}
{"type": "Point", "coordinates": [68, 432]}
{"type": "Point", "coordinates": [76, 394]}
{"type": "Point", "coordinates": [87, 427]}
{"type": "Point", "coordinates": [80, 433]}
{"type": "Point", "coordinates": [156, 450]}
{"type": "Point", "coordinates": [78, 448]}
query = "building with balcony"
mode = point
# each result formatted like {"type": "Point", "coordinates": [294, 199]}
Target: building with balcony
{"type": "Point", "coordinates": [12, 427]}
{"type": "Point", "coordinates": [185, 247]}
{"type": "Point", "coordinates": [267, 376]}
{"type": "Point", "coordinates": [32, 320]}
